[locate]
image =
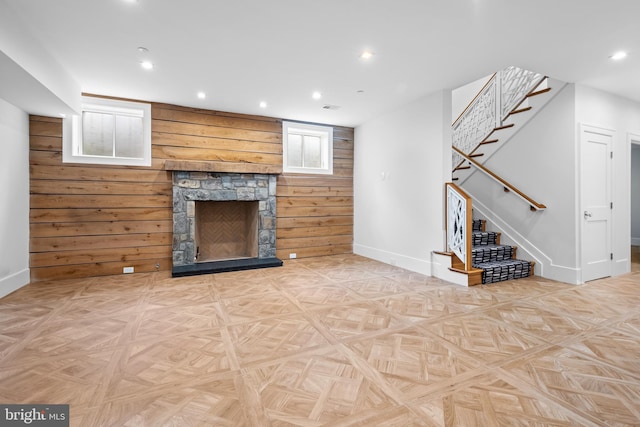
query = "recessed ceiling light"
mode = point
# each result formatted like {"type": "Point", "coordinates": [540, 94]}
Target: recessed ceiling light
{"type": "Point", "coordinates": [367, 54]}
{"type": "Point", "coordinates": [316, 95]}
{"type": "Point", "coordinates": [202, 95]}
{"type": "Point", "coordinates": [618, 55]}
{"type": "Point", "coordinates": [263, 104]}
{"type": "Point", "coordinates": [147, 65]}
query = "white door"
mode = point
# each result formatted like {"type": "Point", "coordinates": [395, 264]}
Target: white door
{"type": "Point", "coordinates": [596, 207]}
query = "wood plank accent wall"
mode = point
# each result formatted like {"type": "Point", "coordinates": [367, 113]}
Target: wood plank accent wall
{"type": "Point", "coordinates": [90, 220]}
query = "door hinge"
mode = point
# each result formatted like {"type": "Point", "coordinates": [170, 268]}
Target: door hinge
{"type": "Point", "coordinates": [611, 154]}
{"type": "Point", "coordinates": [611, 255]}
{"type": "Point", "coordinates": [611, 205]}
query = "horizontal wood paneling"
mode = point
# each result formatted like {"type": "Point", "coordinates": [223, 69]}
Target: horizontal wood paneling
{"type": "Point", "coordinates": [107, 188]}
{"type": "Point", "coordinates": [91, 220]}
{"type": "Point", "coordinates": [98, 228]}
{"type": "Point", "coordinates": [117, 214]}
{"type": "Point", "coordinates": [99, 256]}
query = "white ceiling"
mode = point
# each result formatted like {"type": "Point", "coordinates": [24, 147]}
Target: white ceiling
{"type": "Point", "coordinates": [241, 52]}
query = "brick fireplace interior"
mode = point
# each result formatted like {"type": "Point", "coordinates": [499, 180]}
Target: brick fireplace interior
{"type": "Point", "coordinates": [226, 230]}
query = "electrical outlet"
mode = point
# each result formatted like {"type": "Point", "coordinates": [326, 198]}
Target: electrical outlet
{"type": "Point", "coordinates": [293, 256]}
{"type": "Point", "coordinates": [127, 270]}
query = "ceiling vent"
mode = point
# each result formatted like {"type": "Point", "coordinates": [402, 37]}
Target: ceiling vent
{"type": "Point", "coordinates": [330, 107]}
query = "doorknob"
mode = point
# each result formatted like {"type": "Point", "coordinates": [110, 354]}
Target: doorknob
{"type": "Point", "coordinates": [587, 214]}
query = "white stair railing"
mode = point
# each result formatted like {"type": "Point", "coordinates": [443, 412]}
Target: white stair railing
{"type": "Point", "coordinates": [459, 223]}
{"type": "Point", "coordinates": [505, 91]}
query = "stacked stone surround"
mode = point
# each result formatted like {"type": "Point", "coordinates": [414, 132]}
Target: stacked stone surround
{"type": "Point", "coordinates": [189, 187]}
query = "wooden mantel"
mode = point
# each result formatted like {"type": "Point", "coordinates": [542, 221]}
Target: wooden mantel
{"type": "Point", "coordinates": [213, 166]}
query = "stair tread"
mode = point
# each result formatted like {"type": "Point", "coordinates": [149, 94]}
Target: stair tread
{"type": "Point", "coordinates": [538, 92]}
{"type": "Point", "coordinates": [489, 246]}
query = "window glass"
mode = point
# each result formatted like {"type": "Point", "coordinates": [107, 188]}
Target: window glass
{"type": "Point", "coordinates": [307, 148]}
{"type": "Point", "coordinates": [108, 132]}
{"type": "Point", "coordinates": [312, 152]}
{"type": "Point", "coordinates": [295, 150]}
{"type": "Point", "coordinates": [97, 134]}
{"type": "Point", "coordinates": [128, 142]}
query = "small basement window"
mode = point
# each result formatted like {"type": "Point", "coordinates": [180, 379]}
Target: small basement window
{"type": "Point", "coordinates": [109, 131]}
{"type": "Point", "coordinates": [307, 148]}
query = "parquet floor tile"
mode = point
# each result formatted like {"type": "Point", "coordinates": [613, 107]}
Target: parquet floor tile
{"type": "Point", "coordinates": [582, 384]}
{"type": "Point", "coordinates": [323, 296]}
{"type": "Point", "coordinates": [274, 337]}
{"type": "Point", "coordinates": [250, 307]}
{"type": "Point", "coordinates": [361, 318]}
{"type": "Point", "coordinates": [166, 321]}
{"type": "Point", "coordinates": [316, 389]}
{"type": "Point", "coordinates": [483, 338]}
{"type": "Point", "coordinates": [170, 361]}
{"type": "Point", "coordinates": [328, 341]}
{"type": "Point", "coordinates": [377, 288]}
{"type": "Point", "coordinates": [417, 307]}
{"type": "Point", "coordinates": [414, 362]}
{"type": "Point", "coordinates": [213, 402]}
{"type": "Point", "coordinates": [614, 348]}
{"type": "Point", "coordinates": [630, 325]}
{"type": "Point", "coordinates": [490, 401]}
{"type": "Point", "coordinates": [576, 304]}
{"type": "Point", "coordinates": [531, 318]}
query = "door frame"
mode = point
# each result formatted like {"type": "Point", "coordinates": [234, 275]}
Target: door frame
{"type": "Point", "coordinates": [633, 138]}
{"type": "Point", "coordinates": [584, 127]}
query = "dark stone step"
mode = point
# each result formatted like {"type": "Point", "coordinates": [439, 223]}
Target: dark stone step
{"type": "Point", "coordinates": [500, 271]}
{"type": "Point", "coordinates": [224, 266]}
{"type": "Point", "coordinates": [491, 253]}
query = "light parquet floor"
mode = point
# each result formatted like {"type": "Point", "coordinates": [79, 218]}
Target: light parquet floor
{"type": "Point", "coordinates": [340, 341]}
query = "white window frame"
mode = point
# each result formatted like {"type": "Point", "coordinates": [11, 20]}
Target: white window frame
{"type": "Point", "coordinates": [326, 140]}
{"type": "Point", "coordinates": [72, 132]}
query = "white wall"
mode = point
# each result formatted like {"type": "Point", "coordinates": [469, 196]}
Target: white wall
{"type": "Point", "coordinates": [399, 183]}
{"type": "Point", "coordinates": [462, 96]}
{"type": "Point", "coordinates": [597, 108]}
{"type": "Point", "coordinates": [39, 84]}
{"type": "Point", "coordinates": [14, 198]}
{"type": "Point", "coordinates": [635, 194]}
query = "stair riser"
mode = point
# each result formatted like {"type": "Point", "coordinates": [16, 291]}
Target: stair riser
{"type": "Point", "coordinates": [484, 238]}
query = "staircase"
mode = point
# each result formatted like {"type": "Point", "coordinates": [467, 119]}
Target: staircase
{"type": "Point", "coordinates": [504, 105]}
{"type": "Point", "coordinates": [497, 262]}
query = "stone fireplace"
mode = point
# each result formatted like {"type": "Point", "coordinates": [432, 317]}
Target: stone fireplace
{"type": "Point", "coordinates": [223, 222]}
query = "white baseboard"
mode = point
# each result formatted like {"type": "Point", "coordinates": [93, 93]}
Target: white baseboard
{"type": "Point", "coordinates": [635, 241]}
{"type": "Point", "coordinates": [14, 282]}
{"type": "Point", "coordinates": [412, 264]}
